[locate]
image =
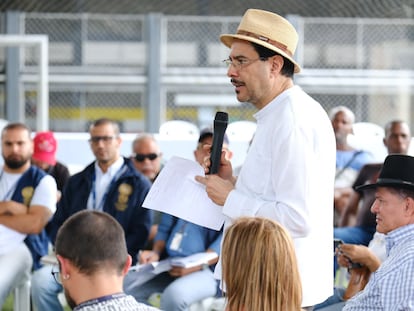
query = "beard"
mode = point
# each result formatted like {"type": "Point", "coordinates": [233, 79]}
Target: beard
{"type": "Point", "coordinates": [15, 163]}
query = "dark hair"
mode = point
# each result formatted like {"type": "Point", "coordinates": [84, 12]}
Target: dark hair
{"type": "Point", "coordinates": [16, 126]}
{"type": "Point", "coordinates": [288, 67]}
{"type": "Point", "coordinates": [92, 241]}
{"type": "Point", "coordinates": [104, 121]}
{"type": "Point", "coordinates": [402, 192]}
{"type": "Point", "coordinates": [390, 124]}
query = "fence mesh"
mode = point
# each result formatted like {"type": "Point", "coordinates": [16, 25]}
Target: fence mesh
{"type": "Point", "coordinates": [319, 8]}
{"type": "Point", "coordinates": [98, 63]}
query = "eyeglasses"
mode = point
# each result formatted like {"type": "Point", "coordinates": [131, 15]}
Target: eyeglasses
{"type": "Point", "coordinates": [240, 63]}
{"type": "Point", "coordinates": [97, 139]}
{"type": "Point", "coordinates": [140, 157]}
{"type": "Point", "coordinates": [56, 274]}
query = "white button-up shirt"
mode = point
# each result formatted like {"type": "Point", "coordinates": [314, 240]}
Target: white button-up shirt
{"type": "Point", "coordinates": [288, 176]}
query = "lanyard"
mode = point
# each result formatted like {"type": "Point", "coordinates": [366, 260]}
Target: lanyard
{"type": "Point", "coordinates": [111, 184]}
{"type": "Point", "coordinates": [8, 194]}
{"type": "Point", "coordinates": [99, 300]}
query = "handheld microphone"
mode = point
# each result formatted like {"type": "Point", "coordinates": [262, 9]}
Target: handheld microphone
{"type": "Point", "coordinates": [220, 126]}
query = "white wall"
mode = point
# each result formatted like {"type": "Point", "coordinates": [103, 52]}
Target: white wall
{"type": "Point", "coordinates": [74, 151]}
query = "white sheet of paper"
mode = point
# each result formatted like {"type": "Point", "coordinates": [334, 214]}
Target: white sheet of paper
{"type": "Point", "coordinates": [176, 192]}
{"type": "Point", "coordinates": [193, 260]}
{"type": "Point", "coordinates": [145, 272]}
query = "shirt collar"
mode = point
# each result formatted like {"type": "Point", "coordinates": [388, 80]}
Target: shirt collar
{"type": "Point", "coordinates": [112, 169]}
{"type": "Point", "coordinates": [264, 112]}
{"type": "Point", "coordinates": [398, 235]}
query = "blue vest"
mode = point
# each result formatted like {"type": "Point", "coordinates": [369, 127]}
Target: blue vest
{"type": "Point", "coordinates": [37, 243]}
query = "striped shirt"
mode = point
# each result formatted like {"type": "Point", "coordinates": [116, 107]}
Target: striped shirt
{"type": "Point", "coordinates": [391, 287]}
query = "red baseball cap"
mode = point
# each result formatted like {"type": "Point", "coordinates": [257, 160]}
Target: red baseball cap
{"type": "Point", "coordinates": [45, 146]}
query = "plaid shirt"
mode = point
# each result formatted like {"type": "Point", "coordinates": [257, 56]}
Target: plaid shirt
{"type": "Point", "coordinates": [391, 287]}
{"type": "Point", "coordinates": [117, 302]}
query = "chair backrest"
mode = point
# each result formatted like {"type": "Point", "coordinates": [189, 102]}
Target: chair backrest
{"type": "Point", "coordinates": [179, 128]}
{"type": "Point", "coordinates": [368, 136]}
{"type": "Point", "coordinates": [368, 129]}
{"type": "Point", "coordinates": [241, 130]}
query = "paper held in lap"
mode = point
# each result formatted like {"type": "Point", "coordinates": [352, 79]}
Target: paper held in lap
{"type": "Point", "coordinates": [176, 192]}
{"type": "Point", "coordinates": [146, 272]}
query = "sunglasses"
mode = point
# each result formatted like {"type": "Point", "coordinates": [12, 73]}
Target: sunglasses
{"type": "Point", "coordinates": [141, 157]}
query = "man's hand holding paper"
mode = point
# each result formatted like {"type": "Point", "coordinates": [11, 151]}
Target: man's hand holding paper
{"type": "Point", "coordinates": [176, 192]}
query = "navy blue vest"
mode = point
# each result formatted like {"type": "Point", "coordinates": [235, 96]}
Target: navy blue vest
{"type": "Point", "coordinates": [37, 243]}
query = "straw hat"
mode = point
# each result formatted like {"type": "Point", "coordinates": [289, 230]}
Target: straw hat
{"type": "Point", "coordinates": [267, 29]}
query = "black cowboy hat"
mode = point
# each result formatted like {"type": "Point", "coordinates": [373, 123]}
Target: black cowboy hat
{"type": "Point", "coordinates": [397, 172]}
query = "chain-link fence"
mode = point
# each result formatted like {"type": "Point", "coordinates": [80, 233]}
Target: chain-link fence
{"type": "Point", "coordinates": [320, 8]}
{"type": "Point", "coordinates": [116, 65]}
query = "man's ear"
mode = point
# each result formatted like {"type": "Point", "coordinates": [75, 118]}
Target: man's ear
{"type": "Point", "coordinates": [65, 266]}
{"type": "Point", "coordinates": [277, 63]}
{"type": "Point", "coordinates": [409, 207]}
{"type": "Point", "coordinates": [127, 265]}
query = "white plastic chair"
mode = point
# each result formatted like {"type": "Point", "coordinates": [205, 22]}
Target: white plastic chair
{"type": "Point", "coordinates": [179, 128]}
{"type": "Point", "coordinates": [368, 136]}
{"type": "Point", "coordinates": [22, 297]}
{"type": "Point", "coordinates": [209, 304]}
{"type": "Point", "coordinates": [241, 130]}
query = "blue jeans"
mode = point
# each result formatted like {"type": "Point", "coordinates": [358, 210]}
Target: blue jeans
{"type": "Point", "coordinates": [332, 302]}
{"type": "Point", "coordinates": [353, 235]}
{"type": "Point", "coordinates": [177, 293]}
{"type": "Point", "coordinates": [45, 290]}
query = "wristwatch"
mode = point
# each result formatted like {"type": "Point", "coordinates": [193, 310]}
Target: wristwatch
{"type": "Point", "coordinates": [205, 266]}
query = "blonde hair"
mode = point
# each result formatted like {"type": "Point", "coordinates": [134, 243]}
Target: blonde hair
{"type": "Point", "coordinates": [259, 267]}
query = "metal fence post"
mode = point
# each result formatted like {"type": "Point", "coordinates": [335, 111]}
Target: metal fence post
{"type": "Point", "coordinates": [153, 100]}
{"type": "Point", "coordinates": [15, 106]}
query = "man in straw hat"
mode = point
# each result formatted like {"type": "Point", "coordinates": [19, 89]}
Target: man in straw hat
{"type": "Point", "coordinates": [288, 174]}
{"type": "Point", "coordinates": [391, 287]}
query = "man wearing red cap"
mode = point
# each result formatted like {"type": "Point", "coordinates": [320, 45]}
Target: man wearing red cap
{"type": "Point", "coordinates": [44, 156]}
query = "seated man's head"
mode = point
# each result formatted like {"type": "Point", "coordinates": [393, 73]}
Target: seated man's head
{"type": "Point", "coordinates": [93, 259]}
{"type": "Point", "coordinates": [397, 137]}
{"type": "Point", "coordinates": [342, 119]}
{"type": "Point", "coordinates": [394, 193]}
{"type": "Point", "coordinates": [206, 138]}
{"type": "Point", "coordinates": [105, 142]}
{"type": "Point", "coordinates": [44, 154]}
{"type": "Point", "coordinates": [146, 155]}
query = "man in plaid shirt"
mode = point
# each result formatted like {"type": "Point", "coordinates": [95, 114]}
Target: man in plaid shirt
{"type": "Point", "coordinates": [391, 287]}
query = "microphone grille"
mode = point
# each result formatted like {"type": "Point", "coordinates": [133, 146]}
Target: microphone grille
{"type": "Point", "coordinates": [221, 116]}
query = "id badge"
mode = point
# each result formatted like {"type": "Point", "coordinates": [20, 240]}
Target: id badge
{"type": "Point", "coordinates": [176, 241]}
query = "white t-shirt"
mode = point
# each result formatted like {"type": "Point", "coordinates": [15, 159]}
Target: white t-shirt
{"type": "Point", "coordinates": [45, 194]}
{"type": "Point", "coordinates": [101, 184]}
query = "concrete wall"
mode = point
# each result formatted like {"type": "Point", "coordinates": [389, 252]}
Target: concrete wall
{"type": "Point", "coordinates": [74, 149]}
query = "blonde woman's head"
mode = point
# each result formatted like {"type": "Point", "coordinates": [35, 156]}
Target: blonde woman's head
{"type": "Point", "coordinates": [259, 267]}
